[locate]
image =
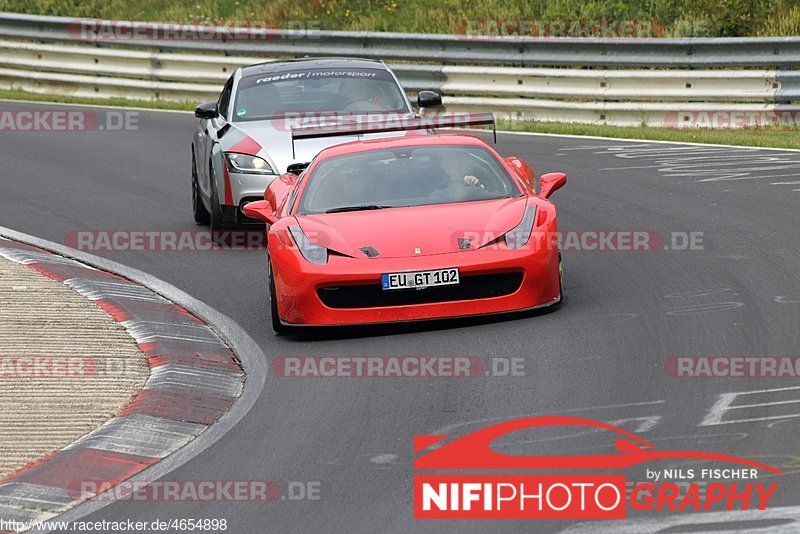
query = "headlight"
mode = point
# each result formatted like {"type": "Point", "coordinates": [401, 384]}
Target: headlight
{"type": "Point", "coordinates": [310, 251]}
{"type": "Point", "coordinates": [517, 237]}
{"type": "Point", "coordinates": [247, 164]}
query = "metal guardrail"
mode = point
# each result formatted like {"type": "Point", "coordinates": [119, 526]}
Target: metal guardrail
{"type": "Point", "coordinates": [47, 54]}
{"type": "Point", "coordinates": [765, 52]}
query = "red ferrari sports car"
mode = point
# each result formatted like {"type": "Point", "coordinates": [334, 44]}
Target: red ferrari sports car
{"type": "Point", "coordinates": [409, 228]}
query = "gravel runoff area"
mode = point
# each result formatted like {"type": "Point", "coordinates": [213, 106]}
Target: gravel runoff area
{"type": "Point", "coordinates": [66, 366]}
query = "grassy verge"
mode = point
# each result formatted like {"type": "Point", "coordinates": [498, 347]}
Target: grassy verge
{"type": "Point", "coordinates": [767, 137]}
{"type": "Point", "coordinates": [18, 94]}
{"type": "Point", "coordinates": [677, 18]}
{"type": "Point", "coordinates": [759, 137]}
{"type": "Point", "coordinates": [680, 18]}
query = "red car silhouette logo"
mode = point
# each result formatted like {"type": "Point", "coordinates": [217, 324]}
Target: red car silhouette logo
{"type": "Point", "coordinates": [473, 450]}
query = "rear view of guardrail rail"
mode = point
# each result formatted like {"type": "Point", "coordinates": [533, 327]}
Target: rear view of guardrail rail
{"type": "Point", "coordinates": [623, 82]}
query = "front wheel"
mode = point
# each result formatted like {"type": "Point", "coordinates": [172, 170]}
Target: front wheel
{"type": "Point", "coordinates": [560, 280]}
{"type": "Point", "coordinates": [199, 211]}
{"type": "Point", "coordinates": [277, 325]}
{"type": "Point", "coordinates": [215, 217]}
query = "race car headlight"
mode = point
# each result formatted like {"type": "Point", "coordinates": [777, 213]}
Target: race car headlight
{"type": "Point", "coordinates": [247, 164]}
{"type": "Point", "coordinates": [311, 251]}
{"type": "Point", "coordinates": [520, 235]}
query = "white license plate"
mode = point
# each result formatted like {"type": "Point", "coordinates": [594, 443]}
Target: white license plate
{"type": "Point", "coordinates": [419, 279]}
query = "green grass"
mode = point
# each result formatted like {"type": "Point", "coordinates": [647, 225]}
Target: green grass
{"type": "Point", "coordinates": [19, 94]}
{"type": "Point", "coordinates": [768, 137]}
{"type": "Point", "coordinates": [681, 18]}
{"type": "Point", "coordinates": [759, 137]}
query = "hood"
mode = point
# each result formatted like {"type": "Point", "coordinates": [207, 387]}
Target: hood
{"type": "Point", "coordinates": [399, 232]}
{"type": "Point", "coordinates": [276, 142]}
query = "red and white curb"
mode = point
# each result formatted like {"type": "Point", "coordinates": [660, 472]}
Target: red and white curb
{"type": "Point", "coordinates": [194, 380]}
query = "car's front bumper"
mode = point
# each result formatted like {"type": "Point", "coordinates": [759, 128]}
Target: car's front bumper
{"type": "Point", "coordinates": [298, 285]}
{"type": "Point", "coordinates": [249, 186]}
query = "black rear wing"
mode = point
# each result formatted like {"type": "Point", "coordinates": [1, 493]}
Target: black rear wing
{"type": "Point", "coordinates": [378, 123]}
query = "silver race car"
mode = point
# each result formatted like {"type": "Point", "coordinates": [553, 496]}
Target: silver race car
{"type": "Point", "coordinates": [244, 140]}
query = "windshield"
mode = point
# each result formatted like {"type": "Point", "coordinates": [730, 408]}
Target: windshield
{"type": "Point", "coordinates": [407, 176]}
{"type": "Point", "coordinates": [353, 91]}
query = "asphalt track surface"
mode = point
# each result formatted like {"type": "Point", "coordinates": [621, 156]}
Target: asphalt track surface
{"type": "Point", "coordinates": [601, 355]}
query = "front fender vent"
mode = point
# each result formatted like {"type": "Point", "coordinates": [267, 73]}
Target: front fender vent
{"type": "Point", "coordinates": [370, 252]}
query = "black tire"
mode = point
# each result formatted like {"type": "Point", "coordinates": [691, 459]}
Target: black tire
{"type": "Point", "coordinates": [277, 325]}
{"type": "Point", "coordinates": [199, 211]}
{"type": "Point", "coordinates": [215, 218]}
{"type": "Point", "coordinates": [560, 280]}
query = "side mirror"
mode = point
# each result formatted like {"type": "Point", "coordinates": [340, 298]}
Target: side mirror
{"type": "Point", "coordinates": [429, 99]}
{"type": "Point", "coordinates": [207, 110]}
{"type": "Point", "coordinates": [551, 181]}
{"type": "Point", "coordinates": [523, 170]}
{"type": "Point", "coordinates": [261, 210]}
{"type": "Point", "coordinates": [297, 168]}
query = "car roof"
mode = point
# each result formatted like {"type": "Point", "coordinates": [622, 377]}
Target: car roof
{"type": "Point", "coordinates": [410, 139]}
{"type": "Point", "coordinates": [312, 63]}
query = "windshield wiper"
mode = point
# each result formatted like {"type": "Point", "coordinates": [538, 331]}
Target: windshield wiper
{"type": "Point", "coordinates": [363, 207]}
